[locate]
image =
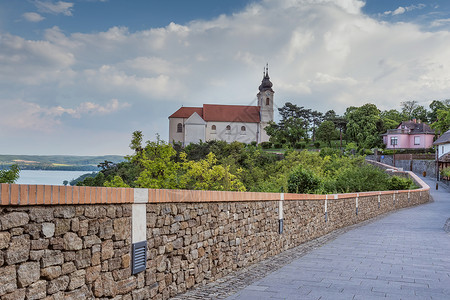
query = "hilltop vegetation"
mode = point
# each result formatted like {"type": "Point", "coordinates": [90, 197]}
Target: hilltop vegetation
{"type": "Point", "coordinates": [216, 165]}
{"type": "Point", "coordinates": [57, 162]}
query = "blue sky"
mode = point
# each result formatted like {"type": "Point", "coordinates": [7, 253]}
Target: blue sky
{"type": "Point", "coordinates": [78, 77]}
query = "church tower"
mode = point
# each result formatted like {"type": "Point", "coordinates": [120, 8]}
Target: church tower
{"type": "Point", "coordinates": [265, 102]}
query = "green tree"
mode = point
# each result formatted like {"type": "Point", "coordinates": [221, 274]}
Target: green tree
{"type": "Point", "coordinates": [364, 125]}
{"type": "Point", "coordinates": [408, 108]}
{"type": "Point", "coordinates": [10, 175]}
{"type": "Point", "coordinates": [443, 121]}
{"type": "Point", "coordinates": [327, 132]}
{"type": "Point", "coordinates": [435, 105]}
{"type": "Point", "coordinates": [391, 118]}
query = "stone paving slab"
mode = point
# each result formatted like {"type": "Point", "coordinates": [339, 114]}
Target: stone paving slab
{"type": "Point", "coordinates": [399, 255]}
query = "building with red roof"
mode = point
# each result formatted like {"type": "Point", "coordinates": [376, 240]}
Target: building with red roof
{"type": "Point", "coordinates": [225, 122]}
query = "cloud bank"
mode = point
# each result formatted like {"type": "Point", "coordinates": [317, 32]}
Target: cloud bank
{"type": "Point", "coordinates": [322, 54]}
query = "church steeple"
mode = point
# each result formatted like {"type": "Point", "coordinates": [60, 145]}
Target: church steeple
{"type": "Point", "coordinates": [266, 84]}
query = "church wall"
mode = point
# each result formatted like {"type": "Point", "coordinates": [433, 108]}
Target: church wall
{"type": "Point", "coordinates": [173, 134]}
{"type": "Point", "coordinates": [235, 133]}
{"type": "Point", "coordinates": [194, 133]}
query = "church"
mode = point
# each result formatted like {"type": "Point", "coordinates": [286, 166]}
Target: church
{"type": "Point", "coordinates": [225, 122]}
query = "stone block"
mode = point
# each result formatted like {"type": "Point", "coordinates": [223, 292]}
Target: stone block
{"type": "Point", "coordinates": [81, 293]}
{"type": "Point", "coordinates": [7, 279]}
{"type": "Point", "coordinates": [61, 226]}
{"type": "Point", "coordinates": [50, 273]}
{"type": "Point", "coordinates": [77, 279]}
{"type": "Point", "coordinates": [72, 241]}
{"type": "Point", "coordinates": [28, 273]}
{"type": "Point", "coordinates": [126, 260]}
{"type": "Point", "coordinates": [114, 263]}
{"type": "Point", "coordinates": [19, 250]}
{"type": "Point", "coordinates": [109, 286]}
{"type": "Point", "coordinates": [36, 255]}
{"type": "Point", "coordinates": [68, 268]}
{"type": "Point", "coordinates": [122, 229]}
{"type": "Point", "coordinates": [41, 214]}
{"type": "Point", "coordinates": [92, 273]}
{"type": "Point", "coordinates": [5, 237]}
{"type": "Point", "coordinates": [66, 212]}
{"type": "Point", "coordinates": [57, 243]}
{"type": "Point", "coordinates": [48, 229]}
{"type": "Point", "coordinates": [106, 230]}
{"type": "Point", "coordinates": [91, 240]}
{"type": "Point", "coordinates": [40, 244]}
{"type": "Point", "coordinates": [14, 219]}
{"type": "Point", "coordinates": [127, 285]}
{"type": "Point", "coordinates": [107, 250]}
{"type": "Point", "coordinates": [16, 295]}
{"type": "Point", "coordinates": [58, 284]}
{"type": "Point", "coordinates": [34, 230]}
{"type": "Point", "coordinates": [37, 290]}
{"type": "Point", "coordinates": [75, 224]}
{"type": "Point", "coordinates": [83, 258]}
{"type": "Point", "coordinates": [52, 258]}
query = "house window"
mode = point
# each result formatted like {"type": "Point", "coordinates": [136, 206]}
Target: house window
{"type": "Point", "coordinates": [417, 140]}
{"type": "Point", "coordinates": [442, 150]}
{"type": "Point", "coordinates": [228, 129]}
{"type": "Point", "coordinates": [267, 101]}
{"type": "Point", "coordinates": [394, 141]}
{"type": "Point", "coordinates": [179, 127]}
{"type": "Point", "coordinates": [213, 129]}
{"type": "Point", "coordinates": [243, 129]}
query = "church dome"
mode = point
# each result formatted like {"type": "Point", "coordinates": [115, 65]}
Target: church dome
{"type": "Point", "coordinates": [266, 84]}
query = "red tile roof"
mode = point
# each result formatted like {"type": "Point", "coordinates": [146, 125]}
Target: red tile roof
{"type": "Point", "coordinates": [231, 113]}
{"type": "Point", "coordinates": [221, 113]}
{"type": "Point", "coordinates": [186, 112]}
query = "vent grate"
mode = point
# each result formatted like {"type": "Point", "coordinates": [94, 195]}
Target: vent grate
{"type": "Point", "coordinates": [139, 257]}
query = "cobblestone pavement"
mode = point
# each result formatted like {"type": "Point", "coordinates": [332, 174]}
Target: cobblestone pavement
{"type": "Point", "coordinates": [400, 255]}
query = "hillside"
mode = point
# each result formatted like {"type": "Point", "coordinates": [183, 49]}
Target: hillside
{"type": "Point", "coordinates": [57, 162]}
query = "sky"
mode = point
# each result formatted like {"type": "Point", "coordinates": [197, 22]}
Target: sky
{"type": "Point", "coordinates": [78, 77]}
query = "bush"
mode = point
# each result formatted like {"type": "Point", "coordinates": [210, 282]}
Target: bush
{"type": "Point", "coordinates": [446, 173]}
{"type": "Point", "coordinates": [278, 145]}
{"type": "Point", "coordinates": [254, 143]}
{"type": "Point", "coordinates": [300, 145]}
{"type": "Point", "coordinates": [400, 183]}
{"type": "Point", "coordinates": [266, 145]}
{"type": "Point", "coordinates": [317, 145]}
{"type": "Point", "coordinates": [303, 181]}
{"type": "Point", "coordinates": [329, 152]}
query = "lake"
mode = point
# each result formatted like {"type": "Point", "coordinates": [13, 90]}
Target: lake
{"type": "Point", "coordinates": [48, 177]}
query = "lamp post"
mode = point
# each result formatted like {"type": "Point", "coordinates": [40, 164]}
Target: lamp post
{"type": "Point", "coordinates": [394, 152]}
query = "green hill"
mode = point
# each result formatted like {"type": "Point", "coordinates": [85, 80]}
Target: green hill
{"type": "Point", "coordinates": [57, 162]}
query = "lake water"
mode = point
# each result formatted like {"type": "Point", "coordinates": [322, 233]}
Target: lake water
{"type": "Point", "coordinates": [48, 177]}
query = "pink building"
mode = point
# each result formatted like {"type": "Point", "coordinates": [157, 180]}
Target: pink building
{"type": "Point", "coordinates": [409, 135]}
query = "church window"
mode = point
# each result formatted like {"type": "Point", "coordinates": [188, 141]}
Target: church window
{"type": "Point", "coordinates": [267, 101]}
{"type": "Point", "coordinates": [243, 129]}
{"type": "Point", "coordinates": [228, 129]}
{"type": "Point", "coordinates": [213, 129]}
{"type": "Point", "coordinates": [179, 127]}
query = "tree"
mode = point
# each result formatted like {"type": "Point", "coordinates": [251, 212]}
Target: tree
{"type": "Point", "coordinates": [420, 113]}
{"type": "Point", "coordinates": [327, 132]}
{"type": "Point", "coordinates": [443, 122]}
{"type": "Point", "coordinates": [391, 118]}
{"type": "Point", "coordinates": [65, 182]}
{"type": "Point", "coordinates": [316, 118]}
{"type": "Point", "coordinates": [408, 108]}
{"type": "Point", "coordinates": [364, 125]}
{"type": "Point", "coordinates": [10, 175]}
{"type": "Point", "coordinates": [435, 105]}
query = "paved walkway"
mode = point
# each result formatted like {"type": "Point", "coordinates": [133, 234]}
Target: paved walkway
{"type": "Point", "coordinates": [404, 255]}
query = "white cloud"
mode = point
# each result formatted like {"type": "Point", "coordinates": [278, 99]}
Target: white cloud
{"type": "Point", "coordinates": [401, 10]}
{"type": "Point", "coordinates": [18, 114]}
{"type": "Point", "coordinates": [33, 17]}
{"type": "Point", "coordinates": [55, 8]}
{"type": "Point", "coordinates": [322, 54]}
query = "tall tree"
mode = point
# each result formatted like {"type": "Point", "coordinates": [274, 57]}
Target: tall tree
{"type": "Point", "coordinates": [327, 132]}
{"type": "Point", "coordinates": [443, 121]}
{"type": "Point", "coordinates": [435, 105]}
{"type": "Point", "coordinates": [364, 125]}
{"type": "Point", "coordinates": [408, 108]}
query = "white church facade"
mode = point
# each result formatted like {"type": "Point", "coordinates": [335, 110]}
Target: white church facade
{"type": "Point", "coordinates": [225, 122]}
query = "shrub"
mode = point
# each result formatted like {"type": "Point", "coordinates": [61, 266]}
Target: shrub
{"type": "Point", "coordinates": [303, 181]}
{"type": "Point", "coordinates": [300, 145]}
{"type": "Point", "coordinates": [266, 145]}
{"type": "Point", "coordinates": [278, 145]}
{"type": "Point", "coordinates": [400, 183]}
{"type": "Point", "coordinates": [329, 152]}
{"type": "Point", "coordinates": [446, 173]}
{"type": "Point", "coordinates": [253, 143]}
{"type": "Point", "coordinates": [317, 145]}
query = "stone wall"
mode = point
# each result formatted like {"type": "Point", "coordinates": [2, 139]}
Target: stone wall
{"type": "Point", "coordinates": [83, 251]}
{"type": "Point", "coordinates": [414, 165]}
